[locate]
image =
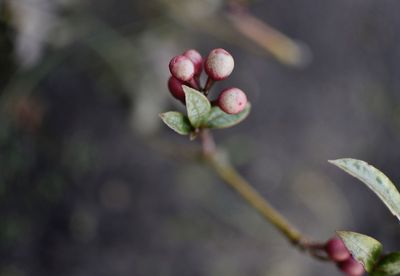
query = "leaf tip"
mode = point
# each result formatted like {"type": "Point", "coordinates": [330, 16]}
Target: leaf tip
{"type": "Point", "coordinates": [341, 161]}
{"type": "Point", "coordinates": [341, 233]}
{"type": "Point", "coordinates": [185, 88]}
{"type": "Point", "coordinates": [337, 161]}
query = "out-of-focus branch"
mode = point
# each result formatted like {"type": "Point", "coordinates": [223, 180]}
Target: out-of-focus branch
{"type": "Point", "coordinates": [240, 27]}
{"type": "Point", "coordinates": [283, 48]}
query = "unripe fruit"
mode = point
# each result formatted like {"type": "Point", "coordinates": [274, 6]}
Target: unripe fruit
{"type": "Point", "coordinates": [175, 87]}
{"type": "Point", "coordinates": [336, 250]}
{"type": "Point", "coordinates": [351, 267]}
{"type": "Point", "coordinates": [197, 60]}
{"type": "Point", "coordinates": [182, 68]}
{"type": "Point", "coordinates": [219, 64]}
{"type": "Point", "coordinates": [232, 100]}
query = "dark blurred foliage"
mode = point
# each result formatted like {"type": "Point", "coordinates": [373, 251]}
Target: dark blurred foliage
{"type": "Point", "coordinates": [87, 182]}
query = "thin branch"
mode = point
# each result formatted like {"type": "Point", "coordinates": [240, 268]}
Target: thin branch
{"type": "Point", "coordinates": [219, 162]}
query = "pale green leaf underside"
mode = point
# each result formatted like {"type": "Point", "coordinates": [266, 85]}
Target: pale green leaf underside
{"type": "Point", "coordinates": [363, 248]}
{"type": "Point", "coordinates": [220, 119]}
{"type": "Point", "coordinates": [177, 121]}
{"type": "Point", "coordinates": [389, 265]}
{"type": "Point", "coordinates": [197, 105]}
{"type": "Point", "coordinates": [379, 183]}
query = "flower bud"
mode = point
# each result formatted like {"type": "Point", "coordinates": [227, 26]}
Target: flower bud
{"type": "Point", "coordinates": [232, 100]}
{"type": "Point", "coordinates": [336, 250]}
{"type": "Point", "coordinates": [182, 68]}
{"type": "Point", "coordinates": [219, 64]}
{"type": "Point", "coordinates": [175, 87]}
{"type": "Point", "coordinates": [351, 267]}
{"type": "Point", "coordinates": [197, 60]}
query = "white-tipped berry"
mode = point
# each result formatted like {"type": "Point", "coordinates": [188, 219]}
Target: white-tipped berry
{"type": "Point", "coordinates": [182, 68]}
{"type": "Point", "coordinates": [219, 64]}
{"type": "Point", "coordinates": [336, 250]}
{"type": "Point", "coordinates": [197, 60]}
{"type": "Point", "coordinates": [232, 100]}
{"type": "Point", "coordinates": [175, 87]}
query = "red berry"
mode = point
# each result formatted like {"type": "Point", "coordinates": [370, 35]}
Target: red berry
{"type": "Point", "coordinates": [175, 87]}
{"type": "Point", "coordinates": [197, 60]}
{"type": "Point", "coordinates": [232, 100]}
{"type": "Point", "coordinates": [219, 64]}
{"type": "Point", "coordinates": [336, 250]}
{"type": "Point", "coordinates": [351, 267]}
{"type": "Point", "coordinates": [182, 68]}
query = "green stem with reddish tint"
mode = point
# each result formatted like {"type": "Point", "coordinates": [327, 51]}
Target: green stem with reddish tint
{"type": "Point", "coordinates": [229, 174]}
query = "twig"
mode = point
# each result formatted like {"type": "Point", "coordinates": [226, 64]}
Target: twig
{"type": "Point", "coordinates": [228, 173]}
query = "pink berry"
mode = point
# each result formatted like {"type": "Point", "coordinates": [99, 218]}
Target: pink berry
{"type": "Point", "coordinates": [175, 87]}
{"type": "Point", "coordinates": [336, 250]}
{"type": "Point", "coordinates": [197, 60]}
{"type": "Point", "coordinates": [232, 100]}
{"type": "Point", "coordinates": [182, 68]}
{"type": "Point", "coordinates": [219, 64]}
{"type": "Point", "coordinates": [351, 267]}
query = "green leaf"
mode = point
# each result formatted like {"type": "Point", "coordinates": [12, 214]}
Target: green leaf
{"type": "Point", "coordinates": [197, 105]}
{"type": "Point", "coordinates": [363, 248]}
{"type": "Point", "coordinates": [379, 183]}
{"type": "Point", "coordinates": [388, 265]}
{"type": "Point", "coordinates": [220, 119]}
{"type": "Point", "coordinates": [177, 121]}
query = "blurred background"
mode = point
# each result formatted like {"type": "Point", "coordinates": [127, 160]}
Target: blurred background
{"type": "Point", "coordinates": [88, 185]}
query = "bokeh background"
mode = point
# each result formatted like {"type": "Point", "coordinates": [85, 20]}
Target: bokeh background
{"type": "Point", "coordinates": [91, 182]}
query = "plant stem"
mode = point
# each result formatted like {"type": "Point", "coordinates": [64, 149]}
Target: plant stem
{"type": "Point", "coordinates": [228, 173]}
{"type": "Point", "coordinates": [208, 86]}
{"type": "Point", "coordinates": [193, 83]}
{"type": "Point", "coordinates": [237, 182]}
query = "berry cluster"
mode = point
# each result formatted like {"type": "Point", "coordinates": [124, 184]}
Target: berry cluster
{"type": "Point", "coordinates": [338, 253]}
{"type": "Point", "coordinates": [186, 69]}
